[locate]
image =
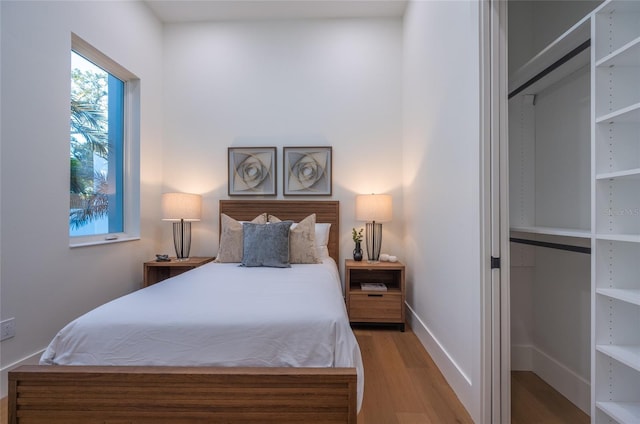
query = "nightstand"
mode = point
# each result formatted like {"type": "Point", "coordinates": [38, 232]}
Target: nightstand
{"type": "Point", "coordinates": [155, 271]}
{"type": "Point", "coordinates": [369, 306]}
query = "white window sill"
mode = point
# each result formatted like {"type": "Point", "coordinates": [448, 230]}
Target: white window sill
{"type": "Point", "coordinates": [97, 242]}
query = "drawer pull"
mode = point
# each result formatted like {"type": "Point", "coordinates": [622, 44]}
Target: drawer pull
{"type": "Point", "coordinates": [375, 295]}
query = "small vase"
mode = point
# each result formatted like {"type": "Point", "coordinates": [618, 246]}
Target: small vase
{"type": "Point", "coordinates": [357, 252]}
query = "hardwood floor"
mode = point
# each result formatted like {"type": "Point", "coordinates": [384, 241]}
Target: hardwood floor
{"type": "Point", "coordinates": [534, 401]}
{"type": "Point", "coordinates": [404, 386]}
{"type": "Point", "coordinates": [402, 383]}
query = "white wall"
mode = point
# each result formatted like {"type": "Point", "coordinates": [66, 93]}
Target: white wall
{"type": "Point", "coordinates": [334, 82]}
{"type": "Point", "coordinates": [44, 283]}
{"type": "Point", "coordinates": [521, 288]}
{"type": "Point", "coordinates": [442, 188]}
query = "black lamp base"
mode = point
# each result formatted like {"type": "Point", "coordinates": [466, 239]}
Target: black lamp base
{"type": "Point", "coordinates": [374, 241]}
{"type": "Point", "coordinates": [182, 239]}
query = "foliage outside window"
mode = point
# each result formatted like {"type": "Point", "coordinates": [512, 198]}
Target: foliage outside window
{"type": "Point", "coordinates": [96, 150]}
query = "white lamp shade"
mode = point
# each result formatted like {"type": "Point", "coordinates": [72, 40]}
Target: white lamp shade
{"type": "Point", "coordinates": [374, 207]}
{"type": "Point", "coordinates": [177, 206]}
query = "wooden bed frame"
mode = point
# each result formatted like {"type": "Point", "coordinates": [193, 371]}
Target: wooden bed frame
{"type": "Point", "coordinates": [121, 394]}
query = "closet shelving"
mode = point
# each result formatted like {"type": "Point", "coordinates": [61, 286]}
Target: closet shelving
{"type": "Point", "coordinates": [615, 384]}
{"type": "Point", "coordinates": [550, 189]}
{"type": "Point", "coordinates": [627, 55]}
{"type": "Point", "coordinates": [548, 200]}
{"type": "Point", "coordinates": [559, 192]}
{"type": "Point", "coordinates": [621, 413]}
{"type": "Point", "coordinates": [628, 114]}
{"type": "Point", "coordinates": [551, 231]}
{"type": "Point", "coordinates": [626, 295]}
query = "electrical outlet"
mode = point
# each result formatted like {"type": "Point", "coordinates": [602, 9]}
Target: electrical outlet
{"type": "Point", "coordinates": [7, 329]}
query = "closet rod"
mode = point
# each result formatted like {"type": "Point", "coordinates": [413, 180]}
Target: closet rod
{"type": "Point", "coordinates": [558, 246]}
{"type": "Point", "coordinates": [555, 65]}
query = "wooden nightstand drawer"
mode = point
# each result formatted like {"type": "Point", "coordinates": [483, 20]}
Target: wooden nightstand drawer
{"type": "Point", "coordinates": [375, 307]}
{"type": "Point", "coordinates": [368, 306]}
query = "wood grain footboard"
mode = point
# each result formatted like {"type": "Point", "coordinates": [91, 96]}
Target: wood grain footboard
{"type": "Point", "coordinates": [75, 394]}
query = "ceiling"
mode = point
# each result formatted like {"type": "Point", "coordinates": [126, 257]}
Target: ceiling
{"type": "Point", "coordinates": [173, 11]}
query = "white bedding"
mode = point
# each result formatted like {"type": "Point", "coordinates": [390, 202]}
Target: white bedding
{"type": "Point", "coordinates": [220, 315]}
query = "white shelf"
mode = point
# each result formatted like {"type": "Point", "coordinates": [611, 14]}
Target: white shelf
{"type": "Point", "coordinates": [627, 114]}
{"type": "Point", "coordinates": [623, 412]}
{"type": "Point", "coordinates": [631, 238]}
{"type": "Point", "coordinates": [628, 355]}
{"type": "Point", "coordinates": [563, 232]}
{"type": "Point", "coordinates": [572, 38]}
{"type": "Point", "coordinates": [627, 55]}
{"type": "Point", "coordinates": [632, 174]}
{"type": "Point", "coordinates": [626, 295]}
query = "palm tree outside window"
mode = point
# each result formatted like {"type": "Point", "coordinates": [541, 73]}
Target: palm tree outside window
{"type": "Point", "coordinates": [96, 150]}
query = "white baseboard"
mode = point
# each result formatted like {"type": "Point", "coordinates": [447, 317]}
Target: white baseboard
{"type": "Point", "coordinates": [4, 372]}
{"type": "Point", "coordinates": [457, 379]}
{"type": "Point", "coordinates": [565, 381]}
{"type": "Point", "coordinates": [521, 358]}
{"type": "Point", "coordinates": [571, 385]}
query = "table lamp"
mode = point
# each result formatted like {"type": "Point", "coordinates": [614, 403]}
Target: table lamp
{"type": "Point", "coordinates": [182, 209]}
{"type": "Point", "coordinates": [373, 209]}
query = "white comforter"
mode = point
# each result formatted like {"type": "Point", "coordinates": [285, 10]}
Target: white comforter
{"type": "Point", "coordinates": [220, 315]}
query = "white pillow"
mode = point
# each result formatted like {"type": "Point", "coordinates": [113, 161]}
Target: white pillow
{"type": "Point", "coordinates": [322, 240]}
{"type": "Point", "coordinates": [321, 237]}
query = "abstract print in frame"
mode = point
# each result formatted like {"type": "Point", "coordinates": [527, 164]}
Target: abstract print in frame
{"type": "Point", "coordinates": [252, 171]}
{"type": "Point", "coordinates": [307, 171]}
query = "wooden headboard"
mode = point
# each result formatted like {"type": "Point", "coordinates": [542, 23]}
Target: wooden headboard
{"type": "Point", "coordinates": [326, 211]}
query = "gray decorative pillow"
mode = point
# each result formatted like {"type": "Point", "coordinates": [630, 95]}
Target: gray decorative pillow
{"type": "Point", "coordinates": [302, 244]}
{"type": "Point", "coordinates": [266, 244]}
{"type": "Point", "coordinates": [230, 249]}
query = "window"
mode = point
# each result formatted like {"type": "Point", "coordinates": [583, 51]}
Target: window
{"type": "Point", "coordinates": [103, 198]}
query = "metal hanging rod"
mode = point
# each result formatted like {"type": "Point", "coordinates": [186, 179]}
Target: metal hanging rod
{"type": "Point", "coordinates": [555, 65]}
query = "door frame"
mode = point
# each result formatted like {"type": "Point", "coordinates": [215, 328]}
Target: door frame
{"type": "Point", "coordinates": [496, 341]}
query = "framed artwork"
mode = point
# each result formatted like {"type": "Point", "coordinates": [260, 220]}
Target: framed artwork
{"type": "Point", "coordinates": [252, 171]}
{"type": "Point", "coordinates": [307, 171]}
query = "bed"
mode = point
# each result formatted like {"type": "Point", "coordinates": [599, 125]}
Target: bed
{"type": "Point", "coordinates": [250, 346]}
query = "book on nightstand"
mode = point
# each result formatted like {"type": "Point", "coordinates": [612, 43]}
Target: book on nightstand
{"type": "Point", "coordinates": [373, 287]}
